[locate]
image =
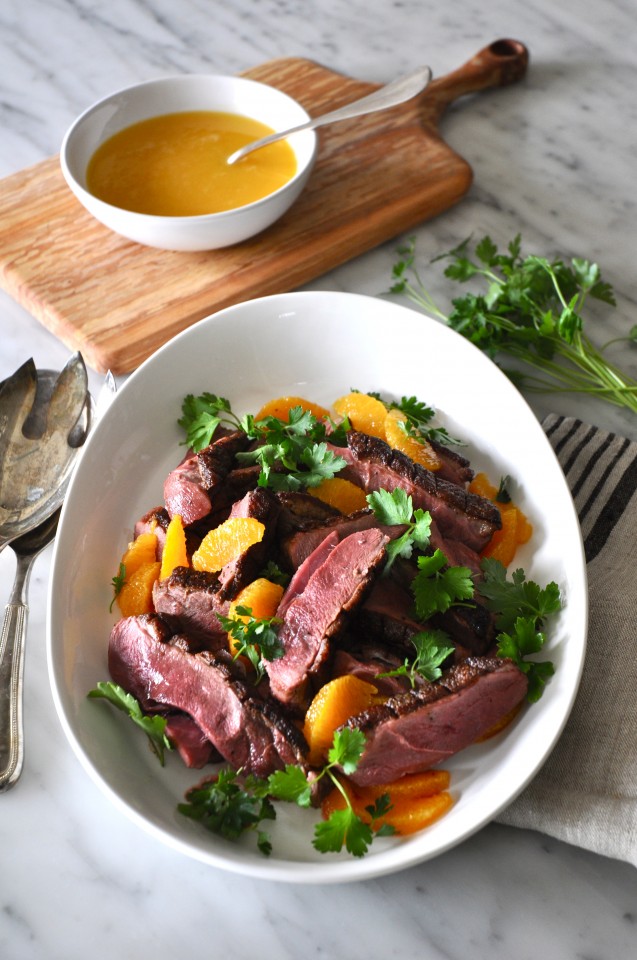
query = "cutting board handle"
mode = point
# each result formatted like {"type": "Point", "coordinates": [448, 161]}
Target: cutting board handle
{"type": "Point", "coordinates": [501, 63]}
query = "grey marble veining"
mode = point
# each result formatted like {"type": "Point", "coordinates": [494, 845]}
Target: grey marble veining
{"type": "Point", "coordinates": [553, 158]}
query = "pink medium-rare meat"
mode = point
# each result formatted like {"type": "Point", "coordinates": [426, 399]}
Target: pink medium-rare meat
{"type": "Point", "coordinates": [190, 741]}
{"type": "Point", "coordinates": [302, 574]}
{"type": "Point", "coordinates": [316, 615]}
{"type": "Point", "coordinates": [416, 730]}
{"type": "Point", "coordinates": [300, 544]}
{"type": "Point", "coordinates": [251, 734]}
{"type": "Point", "coordinates": [189, 490]}
{"type": "Point", "coordinates": [184, 493]}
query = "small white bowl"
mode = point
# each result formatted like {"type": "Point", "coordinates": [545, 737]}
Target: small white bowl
{"type": "Point", "coordinates": [227, 94]}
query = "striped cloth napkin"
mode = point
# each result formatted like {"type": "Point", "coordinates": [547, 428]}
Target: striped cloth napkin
{"type": "Point", "coordinates": [586, 793]}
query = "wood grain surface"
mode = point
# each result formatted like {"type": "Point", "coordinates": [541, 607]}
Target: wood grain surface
{"type": "Point", "coordinates": [375, 177]}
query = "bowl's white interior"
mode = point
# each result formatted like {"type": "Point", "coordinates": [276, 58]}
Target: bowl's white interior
{"type": "Point", "coordinates": [317, 345]}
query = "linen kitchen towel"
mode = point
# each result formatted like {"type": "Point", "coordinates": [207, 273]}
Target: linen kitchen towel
{"type": "Point", "coordinates": [586, 792]}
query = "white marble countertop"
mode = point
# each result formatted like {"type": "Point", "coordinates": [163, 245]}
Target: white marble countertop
{"type": "Point", "coordinates": [553, 158]}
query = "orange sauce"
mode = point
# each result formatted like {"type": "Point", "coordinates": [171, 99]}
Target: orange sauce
{"type": "Point", "coordinates": [174, 165]}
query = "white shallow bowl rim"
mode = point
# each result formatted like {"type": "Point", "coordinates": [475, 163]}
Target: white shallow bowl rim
{"type": "Point", "coordinates": [398, 857]}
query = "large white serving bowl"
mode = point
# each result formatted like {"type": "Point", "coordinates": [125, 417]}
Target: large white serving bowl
{"type": "Point", "coordinates": [176, 94]}
{"type": "Point", "coordinates": [316, 345]}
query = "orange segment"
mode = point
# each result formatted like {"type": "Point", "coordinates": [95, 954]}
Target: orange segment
{"type": "Point", "coordinates": [420, 452]}
{"type": "Point", "coordinates": [281, 406]}
{"type": "Point", "coordinates": [227, 542]}
{"type": "Point", "coordinates": [174, 553]}
{"type": "Point", "coordinates": [516, 528]}
{"type": "Point", "coordinates": [333, 705]}
{"type": "Point", "coordinates": [412, 785]}
{"type": "Point", "coordinates": [140, 551]}
{"type": "Point", "coordinates": [482, 486]}
{"type": "Point", "coordinates": [525, 529]}
{"type": "Point", "coordinates": [340, 493]}
{"type": "Point", "coordinates": [408, 813]}
{"type": "Point", "coordinates": [409, 816]}
{"type": "Point", "coordinates": [262, 597]}
{"type": "Point", "coordinates": [365, 413]}
{"type": "Point", "coordinates": [504, 542]}
{"type": "Point", "coordinates": [136, 596]}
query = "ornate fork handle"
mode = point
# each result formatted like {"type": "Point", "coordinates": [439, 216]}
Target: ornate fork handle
{"type": "Point", "coordinates": [11, 677]}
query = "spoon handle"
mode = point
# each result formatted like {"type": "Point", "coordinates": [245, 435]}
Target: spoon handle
{"type": "Point", "coordinates": [392, 94]}
{"type": "Point", "coordinates": [11, 678]}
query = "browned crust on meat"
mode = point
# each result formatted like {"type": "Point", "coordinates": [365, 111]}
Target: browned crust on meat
{"type": "Point", "coordinates": [364, 447]}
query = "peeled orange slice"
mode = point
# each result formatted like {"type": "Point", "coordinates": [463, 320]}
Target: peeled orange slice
{"type": "Point", "coordinates": [420, 452]}
{"type": "Point", "coordinates": [365, 413]}
{"type": "Point", "coordinates": [332, 706]}
{"type": "Point", "coordinates": [227, 542]}
{"type": "Point", "coordinates": [340, 493]}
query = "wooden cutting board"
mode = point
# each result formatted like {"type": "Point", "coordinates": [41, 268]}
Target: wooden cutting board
{"type": "Point", "coordinates": [375, 177]}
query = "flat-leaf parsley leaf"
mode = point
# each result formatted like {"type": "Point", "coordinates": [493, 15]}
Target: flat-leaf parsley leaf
{"type": "Point", "coordinates": [153, 726]}
{"type": "Point", "coordinates": [520, 607]}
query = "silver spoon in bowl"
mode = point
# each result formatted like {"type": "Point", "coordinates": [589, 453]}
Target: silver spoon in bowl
{"type": "Point", "coordinates": [44, 418]}
{"type": "Point", "coordinates": [392, 94]}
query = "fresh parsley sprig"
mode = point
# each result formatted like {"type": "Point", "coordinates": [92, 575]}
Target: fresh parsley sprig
{"type": "Point", "coordinates": [396, 509]}
{"type": "Point", "coordinates": [292, 454]}
{"type": "Point", "coordinates": [253, 637]}
{"type": "Point", "coordinates": [438, 586]}
{"type": "Point", "coordinates": [200, 417]}
{"type": "Point", "coordinates": [418, 419]}
{"type": "Point", "coordinates": [530, 310]}
{"type": "Point", "coordinates": [343, 828]}
{"type": "Point", "coordinates": [432, 649]}
{"type": "Point", "coordinates": [521, 607]}
{"type": "Point", "coordinates": [154, 726]}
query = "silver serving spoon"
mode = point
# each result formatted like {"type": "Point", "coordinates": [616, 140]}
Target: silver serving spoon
{"type": "Point", "coordinates": [398, 91]}
{"type": "Point", "coordinates": [14, 628]}
{"type": "Point", "coordinates": [44, 420]}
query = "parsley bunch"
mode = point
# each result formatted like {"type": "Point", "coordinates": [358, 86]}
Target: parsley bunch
{"type": "Point", "coordinates": [530, 311]}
